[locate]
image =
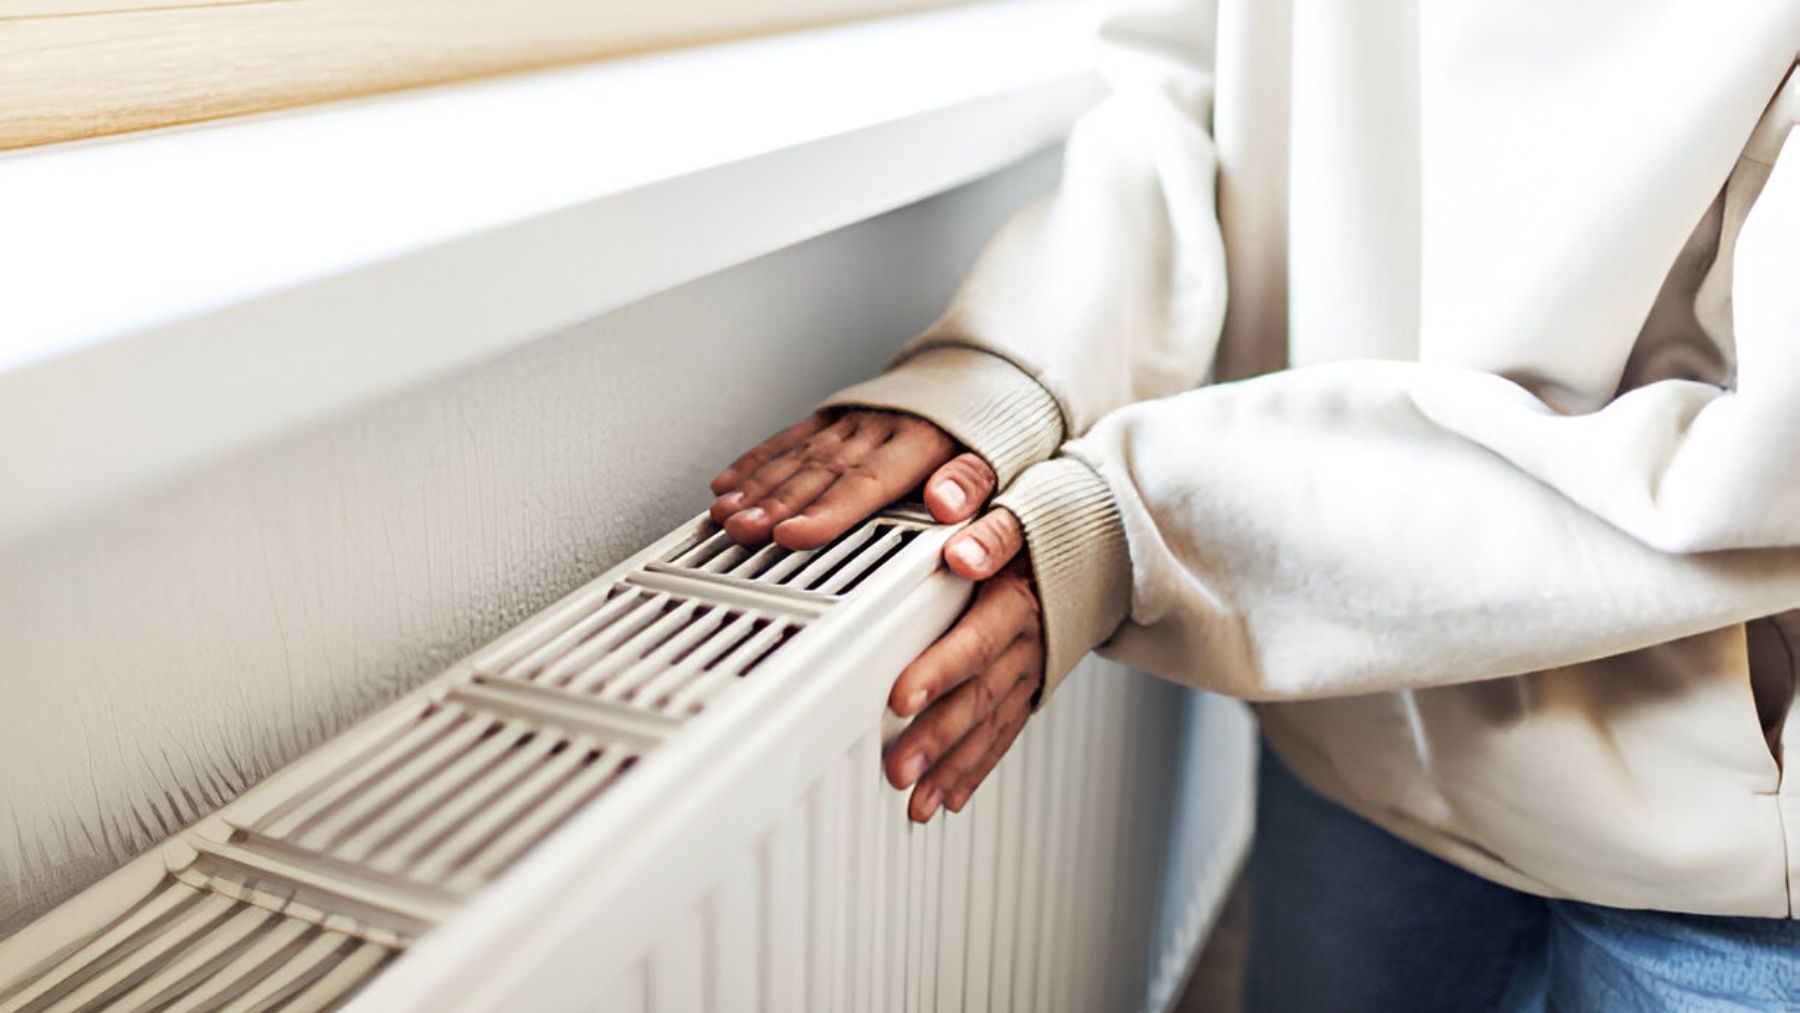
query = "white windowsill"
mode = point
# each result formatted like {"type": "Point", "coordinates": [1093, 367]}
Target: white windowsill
{"type": "Point", "coordinates": [170, 298]}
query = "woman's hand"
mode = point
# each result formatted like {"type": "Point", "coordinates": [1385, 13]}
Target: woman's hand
{"type": "Point", "coordinates": [973, 689]}
{"type": "Point", "coordinates": [819, 478]}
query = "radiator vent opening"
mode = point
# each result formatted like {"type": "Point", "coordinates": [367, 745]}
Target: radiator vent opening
{"type": "Point", "coordinates": [835, 568]}
{"type": "Point", "coordinates": [656, 650]}
{"type": "Point", "coordinates": [183, 947]}
{"type": "Point", "coordinates": [450, 800]}
{"type": "Point", "coordinates": [296, 894]}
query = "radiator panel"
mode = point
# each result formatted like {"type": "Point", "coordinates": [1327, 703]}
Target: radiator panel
{"type": "Point", "coordinates": [1040, 895]}
{"type": "Point", "coordinates": [664, 793]}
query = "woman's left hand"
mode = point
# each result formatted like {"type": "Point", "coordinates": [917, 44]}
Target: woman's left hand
{"type": "Point", "coordinates": [973, 689]}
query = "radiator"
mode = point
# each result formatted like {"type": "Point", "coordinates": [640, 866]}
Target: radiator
{"type": "Point", "coordinates": [664, 793]}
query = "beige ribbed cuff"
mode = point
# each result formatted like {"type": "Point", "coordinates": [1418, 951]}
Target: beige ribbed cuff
{"type": "Point", "coordinates": [1078, 556]}
{"type": "Point", "coordinates": [990, 405]}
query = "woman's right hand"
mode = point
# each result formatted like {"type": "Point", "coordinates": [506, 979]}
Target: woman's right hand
{"type": "Point", "coordinates": [819, 478]}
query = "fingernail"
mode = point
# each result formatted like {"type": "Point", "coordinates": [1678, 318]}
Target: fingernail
{"type": "Point", "coordinates": [912, 768]}
{"type": "Point", "coordinates": [969, 552]}
{"type": "Point", "coordinates": [754, 515]}
{"type": "Point", "coordinates": [915, 701]}
{"type": "Point", "coordinates": [730, 501]}
{"type": "Point", "coordinates": [932, 800]}
{"type": "Point", "coordinates": [951, 495]}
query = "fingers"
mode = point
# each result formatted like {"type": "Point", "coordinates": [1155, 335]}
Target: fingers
{"type": "Point", "coordinates": [728, 480]}
{"type": "Point", "coordinates": [753, 526]}
{"type": "Point", "coordinates": [929, 795]}
{"type": "Point", "coordinates": [985, 547]}
{"type": "Point", "coordinates": [848, 500]}
{"type": "Point", "coordinates": [954, 778]}
{"type": "Point", "coordinates": [751, 491]}
{"type": "Point", "coordinates": [813, 481]}
{"type": "Point", "coordinates": [972, 692]}
{"type": "Point", "coordinates": [959, 488]}
{"type": "Point", "coordinates": [1005, 610]}
{"type": "Point", "coordinates": [1008, 722]}
{"type": "Point", "coordinates": [869, 478]}
{"type": "Point", "coordinates": [747, 511]}
{"type": "Point", "coordinates": [759, 476]}
{"type": "Point", "coordinates": [939, 730]}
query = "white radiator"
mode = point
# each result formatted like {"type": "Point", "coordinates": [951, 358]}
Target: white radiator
{"type": "Point", "coordinates": [664, 793]}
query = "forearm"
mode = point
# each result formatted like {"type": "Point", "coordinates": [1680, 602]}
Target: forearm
{"type": "Point", "coordinates": [1109, 290]}
{"type": "Point", "coordinates": [1318, 532]}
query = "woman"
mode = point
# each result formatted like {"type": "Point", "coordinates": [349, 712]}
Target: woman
{"type": "Point", "coordinates": [1485, 486]}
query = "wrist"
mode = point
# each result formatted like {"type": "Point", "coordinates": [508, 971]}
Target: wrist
{"type": "Point", "coordinates": [1079, 558]}
{"type": "Point", "coordinates": [982, 400]}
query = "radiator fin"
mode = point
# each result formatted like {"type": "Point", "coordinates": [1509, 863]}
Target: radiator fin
{"type": "Point", "coordinates": [1037, 897]}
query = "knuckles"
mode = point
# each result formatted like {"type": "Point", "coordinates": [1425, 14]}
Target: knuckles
{"type": "Point", "coordinates": [990, 639]}
{"type": "Point", "coordinates": [837, 459]}
{"type": "Point", "coordinates": [841, 444]}
{"type": "Point", "coordinates": [914, 429]}
{"type": "Point", "coordinates": [985, 699]}
{"type": "Point", "coordinates": [1017, 586]}
{"type": "Point", "coordinates": [930, 739]}
{"type": "Point", "coordinates": [972, 474]}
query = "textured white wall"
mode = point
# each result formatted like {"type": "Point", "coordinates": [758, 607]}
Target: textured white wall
{"type": "Point", "coordinates": [159, 655]}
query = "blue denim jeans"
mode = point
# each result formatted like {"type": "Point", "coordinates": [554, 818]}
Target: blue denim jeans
{"type": "Point", "coordinates": [1347, 918]}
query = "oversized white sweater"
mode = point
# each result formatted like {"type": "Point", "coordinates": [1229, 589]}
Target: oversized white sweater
{"type": "Point", "coordinates": [1431, 373]}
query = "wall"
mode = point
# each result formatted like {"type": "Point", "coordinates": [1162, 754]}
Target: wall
{"type": "Point", "coordinates": [158, 656]}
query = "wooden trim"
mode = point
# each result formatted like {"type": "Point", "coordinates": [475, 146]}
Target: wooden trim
{"type": "Point", "coordinates": [17, 10]}
{"type": "Point", "coordinates": [85, 68]}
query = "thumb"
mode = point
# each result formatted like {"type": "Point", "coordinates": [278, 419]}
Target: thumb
{"type": "Point", "coordinates": [983, 549]}
{"type": "Point", "coordinates": [959, 488]}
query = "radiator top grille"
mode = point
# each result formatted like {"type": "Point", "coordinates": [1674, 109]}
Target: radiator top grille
{"type": "Point", "coordinates": [296, 894]}
{"type": "Point", "coordinates": [833, 569]}
{"type": "Point", "coordinates": [451, 799]}
{"type": "Point", "coordinates": [191, 948]}
{"type": "Point", "coordinates": [660, 651]}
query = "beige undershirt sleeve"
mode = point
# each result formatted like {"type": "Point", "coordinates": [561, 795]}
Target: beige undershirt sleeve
{"type": "Point", "coordinates": [990, 405]}
{"type": "Point", "coordinates": [1079, 558]}
{"type": "Point", "coordinates": [1077, 544]}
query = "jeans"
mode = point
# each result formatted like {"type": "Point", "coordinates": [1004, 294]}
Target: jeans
{"type": "Point", "coordinates": [1347, 918]}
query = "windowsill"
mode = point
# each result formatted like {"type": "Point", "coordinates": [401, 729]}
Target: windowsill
{"type": "Point", "coordinates": [177, 296]}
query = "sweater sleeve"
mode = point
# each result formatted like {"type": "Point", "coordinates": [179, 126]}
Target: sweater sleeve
{"type": "Point", "coordinates": [1368, 526]}
{"type": "Point", "coordinates": [1107, 291]}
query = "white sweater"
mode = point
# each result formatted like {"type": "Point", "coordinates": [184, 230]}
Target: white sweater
{"type": "Point", "coordinates": [1518, 287]}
